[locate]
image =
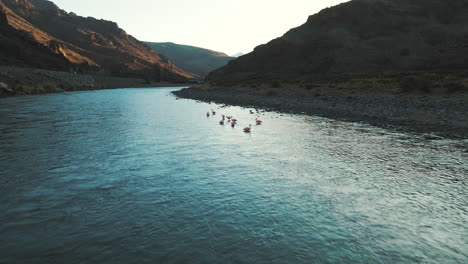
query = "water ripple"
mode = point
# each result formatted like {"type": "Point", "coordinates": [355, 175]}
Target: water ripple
{"type": "Point", "coordinates": [135, 176]}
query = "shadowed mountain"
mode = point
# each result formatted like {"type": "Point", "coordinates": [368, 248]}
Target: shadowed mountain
{"type": "Point", "coordinates": [363, 36]}
{"type": "Point", "coordinates": [237, 55]}
{"type": "Point", "coordinates": [37, 33]}
{"type": "Point", "coordinates": [191, 59]}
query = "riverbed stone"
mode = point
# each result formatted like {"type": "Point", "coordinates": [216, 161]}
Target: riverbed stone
{"type": "Point", "coordinates": [5, 87]}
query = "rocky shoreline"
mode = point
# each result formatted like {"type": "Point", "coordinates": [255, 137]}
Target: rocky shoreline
{"type": "Point", "coordinates": [432, 115]}
{"type": "Point", "coordinates": [26, 81]}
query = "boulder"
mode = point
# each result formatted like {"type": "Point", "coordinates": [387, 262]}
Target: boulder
{"type": "Point", "coordinates": [5, 88]}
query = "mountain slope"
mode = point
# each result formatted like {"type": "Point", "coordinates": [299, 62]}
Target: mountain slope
{"type": "Point", "coordinates": [84, 43]}
{"type": "Point", "coordinates": [21, 49]}
{"type": "Point", "coordinates": [192, 59]}
{"type": "Point", "coordinates": [363, 36]}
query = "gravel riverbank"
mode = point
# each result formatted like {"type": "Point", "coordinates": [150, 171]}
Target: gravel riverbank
{"type": "Point", "coordinates": [433, 115]}
{"type": "Point", "coordinates": [25, 81]}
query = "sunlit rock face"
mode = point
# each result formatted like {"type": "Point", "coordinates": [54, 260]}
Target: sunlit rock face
{"type": "Point", "coordinates": [363, 36]}
{"type": "Point", "coordinates": [64, 40]}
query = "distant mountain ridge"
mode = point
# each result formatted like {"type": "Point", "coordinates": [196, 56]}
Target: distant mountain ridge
{"type": "Point", "coordinates": [37, 33]}
{"type": "Point", "coordinates": [192, 59]}
{"type": "Point", "coordinates": [238, 54]}
{"type": "Point", "coordinates": [363, 36]}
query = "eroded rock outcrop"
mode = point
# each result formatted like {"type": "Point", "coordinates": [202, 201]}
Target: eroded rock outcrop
{"type": "Point", "coordinates": [87, 44]}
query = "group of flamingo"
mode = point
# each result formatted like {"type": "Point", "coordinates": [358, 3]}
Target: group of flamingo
{"type": "Point", "coordinates": [233, 121]}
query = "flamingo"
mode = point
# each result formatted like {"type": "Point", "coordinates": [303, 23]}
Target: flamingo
{"type": "Point", "coordinates": [214, 113]}
{"type": "Point", "coordinates": [259, 122]}
{"type": "Point", "coordinates": [247, 129]}
{"type": "Point", "coordinates": [234, 120]}
{"type": "Point", "coordinates": [207, 114]}
{"type": "Point", "coordinates": [233, 124]}
{"type": "Point", "coordinates": [221, 122]}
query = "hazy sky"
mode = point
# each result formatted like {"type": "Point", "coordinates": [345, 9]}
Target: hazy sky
{"type": "Point", "coordinates": [228, 26]}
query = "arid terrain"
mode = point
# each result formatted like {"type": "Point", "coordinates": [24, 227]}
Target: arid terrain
{"type": "Point", "coordinates": [429, 103]}
{"type": "Point", "coordinates": [392, 63]}
{"type": "Point", "coordinates": [38, 34]}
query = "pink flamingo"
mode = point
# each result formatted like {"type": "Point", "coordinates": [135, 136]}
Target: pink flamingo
{"type": "Point", "coordinates": [233, 124]}
{"type": "Point", "coordinates": [213, 112]}
{"type": "Point", "coordinates": [221, 122]}
{"type": "Point", "coordinates": [259, 122]}
{"type": "Point", "coordinates": [247, 129]}
{"type": "Point", "coordinates": [234, 120]}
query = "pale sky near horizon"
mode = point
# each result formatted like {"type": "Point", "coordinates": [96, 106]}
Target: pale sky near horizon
{"type": "Point", "coordinates": [229, 26]}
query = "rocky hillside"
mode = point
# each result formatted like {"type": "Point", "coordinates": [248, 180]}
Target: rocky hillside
{"type": "Point", "coordinates": [20, 48]}
{"type": "Point", "coordinates": [36, 33]}
{"type": "Point", "coordinates": [363, 36]}
{"type": "Point", "coordinates": [191, 59]}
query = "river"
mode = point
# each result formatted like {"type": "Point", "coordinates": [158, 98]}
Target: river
{"type": "Point", "coordinates": [137, 176]}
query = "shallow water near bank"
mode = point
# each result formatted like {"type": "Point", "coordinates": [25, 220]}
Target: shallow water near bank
{"type": "Point", "coordinates": [137, 176]}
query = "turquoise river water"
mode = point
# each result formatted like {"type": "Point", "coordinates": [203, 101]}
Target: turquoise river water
{"type": "Point", "coordinates": [137, 176]}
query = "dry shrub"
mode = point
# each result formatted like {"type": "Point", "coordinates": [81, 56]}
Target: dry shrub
{"type": "Point", "coordinates": [410, 84]}
{"type": "Point", "coordinates": [276, 84]}
{"type": "Point", "coordinates": [28, 89]}
{"type": "Point", "coordinates": [456, 86]}
{"type": "Point", "coordinates": [267, 92]}
{"type": "Point", "coordinates": [48, 87]}
{"type": "Point", "coordinates": [204, 87]}
{"type": "Point", "coordinates": [311, 86]}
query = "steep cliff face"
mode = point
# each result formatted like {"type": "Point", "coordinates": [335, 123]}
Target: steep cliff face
{"type": "Point", "coordinates": [21, 48]}
{"type": "Point", "coordinates": [191, 59]}
{"type": "Point", "coordinates": [86, 42]}
{"type": "Point", "coordinates": [363, 36]}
